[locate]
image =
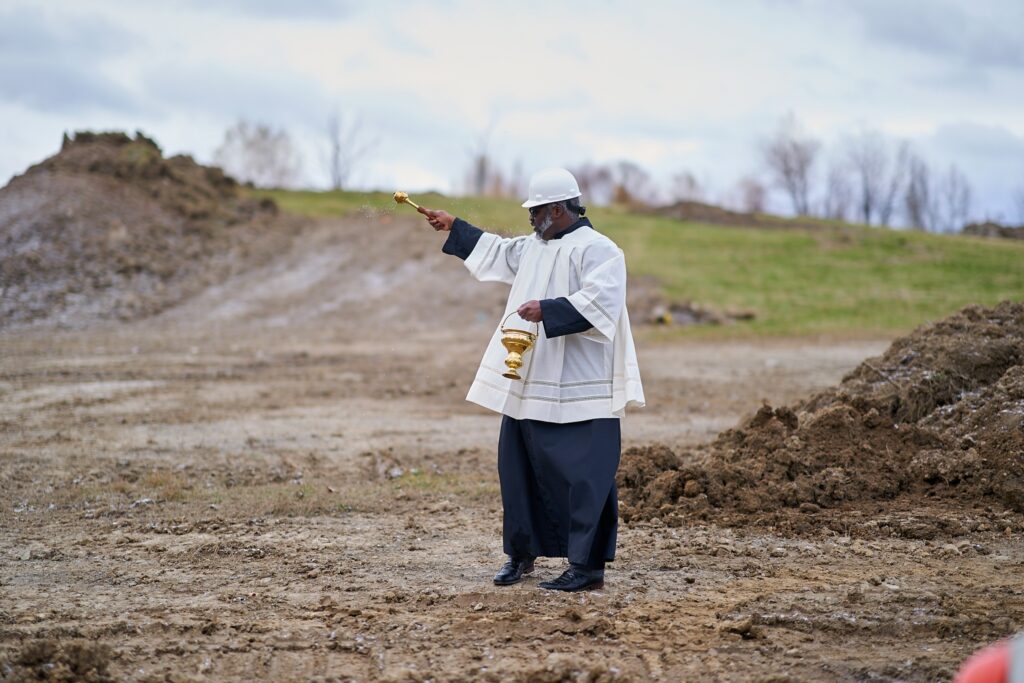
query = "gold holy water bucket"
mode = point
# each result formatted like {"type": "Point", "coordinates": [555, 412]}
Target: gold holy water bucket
{"type": "Point", "coordinates": [517, 343]}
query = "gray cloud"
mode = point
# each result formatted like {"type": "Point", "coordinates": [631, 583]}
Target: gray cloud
{"type": "Point", "coordinates": [52, 87]}
{"type": "Point", "coordinates": [26, 31]}
{"type": "Point", "coordinates": [816, 62]}
{"type": "Point", "coordinates": [389, 110]}
{"type": "Point", "coordinates": [962, 78]}
{"type": "Point", "coordinates": [296, 9]}
{"type": "Point", "coordinates": [278, 98]}
{"type": "Point", "coordinates": [991, 36]}
{"type": "Point", "coordinates": [994, 143]}
{"type": "Point", "coordinates": [992, 157]}
{"type": "Point", "coordinates": [56, 65]}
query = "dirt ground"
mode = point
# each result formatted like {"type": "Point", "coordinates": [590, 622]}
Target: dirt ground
{"type": "Point", "coordinates": [280, 480]}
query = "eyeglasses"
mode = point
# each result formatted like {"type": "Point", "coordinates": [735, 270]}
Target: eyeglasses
{"type": "Point", "coordinates": [534, 210]}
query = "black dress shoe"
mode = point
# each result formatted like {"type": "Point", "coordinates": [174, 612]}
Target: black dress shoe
{"type": "Point", "coordinates": [513, 571]}
{"type": "Point", "coordinates": [573, 580]}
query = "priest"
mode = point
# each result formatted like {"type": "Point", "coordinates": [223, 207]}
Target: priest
{"type": "Point", "coordinates": [560, 440]}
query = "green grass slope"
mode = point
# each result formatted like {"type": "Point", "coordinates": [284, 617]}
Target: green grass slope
{"type": "Point", "coordinates": [831, 279]}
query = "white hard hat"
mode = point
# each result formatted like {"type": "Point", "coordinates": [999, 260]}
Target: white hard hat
{"type": "Point", "coordinates": [551, 185]}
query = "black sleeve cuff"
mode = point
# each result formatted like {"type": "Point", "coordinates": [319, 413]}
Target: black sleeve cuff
{"type": "Point", "coordinates": [561, 318]}
{"type": "Point", "coordinates": [462, 239]}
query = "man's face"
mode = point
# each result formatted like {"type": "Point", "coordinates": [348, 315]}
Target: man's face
{"type": "Point", "coordinates": [541, 217]}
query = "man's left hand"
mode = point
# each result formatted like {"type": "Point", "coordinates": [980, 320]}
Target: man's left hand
{"type": "Point", "coordinates": [531, 311]}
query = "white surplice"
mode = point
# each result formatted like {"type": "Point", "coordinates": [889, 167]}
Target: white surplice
{"type": "Point", "coordinates": [583, 376]}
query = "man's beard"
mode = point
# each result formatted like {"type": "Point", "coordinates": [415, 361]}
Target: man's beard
{"type": "Point", "coordinates": [543, 226]}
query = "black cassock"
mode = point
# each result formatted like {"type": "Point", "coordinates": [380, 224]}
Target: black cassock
{"type": "Point", "coordinates": [557, 480]}
{"type": "Point", "coordinates": [558, 489]}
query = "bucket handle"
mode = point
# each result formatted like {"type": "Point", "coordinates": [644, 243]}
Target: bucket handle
{"type": "Point", "coordinates": [510, 315]}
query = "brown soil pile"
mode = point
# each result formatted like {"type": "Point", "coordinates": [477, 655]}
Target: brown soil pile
{"type": "Point", "coordinates": [699, 212]}
{"type": "Point", "coordinates": [939, 415]}
{"type": "Point", "coordinates": [992, 229]}
{"type": "Point", "coordinates": [110, 228]}
{"type": "Point", "coordinates": [647, 304]}
{"type": "Point", "coordinates": [75, 661]}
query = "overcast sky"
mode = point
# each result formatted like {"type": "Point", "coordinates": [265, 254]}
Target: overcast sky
{"type": "Point", "coordinates": [670, 85]}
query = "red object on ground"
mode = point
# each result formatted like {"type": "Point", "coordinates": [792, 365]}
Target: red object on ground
{"type": "Point", "coordinates": [991, 665]}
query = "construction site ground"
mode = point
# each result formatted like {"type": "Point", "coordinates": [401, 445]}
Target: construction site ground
{"type": "Point", "coordinates": [279, 479]}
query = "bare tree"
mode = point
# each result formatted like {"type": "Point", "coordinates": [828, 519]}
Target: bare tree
{"type": "Point", "coordinates": [879, 174]}
{"type": "Point", "coordinates": [838, 197]}
{"type": "Point", "coordinates": [751, 194]}
{"type": "Point", "coordinates": [596, 182]}
{"type": "Point", "coordinates": [517, 185]}
{"type": "Point", "coordinates": [480, 176]}
{"type": "Point", "coordinates": [485, 177]}
{"type": "Point", "coordinates": [632, 184]}
{"type": "Point", "coordinates": [895, 184]}
{"type": "Point", "coordinates": [954, 200]}
{"type": "Point", "coordinates": [867, 158]}
{"type": "Point", "coordinates": [1018, 200]}
{"type": "Point", "coordinates": [686, 188]}
{"type": "Point", "coordinates": [790, 156]}
{"type": "Point", "coordinates": [348, 144]}
{"type": "Point", "coordinates": [498, 185]}
{"type": "Point", "coordinates": [918, 200]}
{"type": "Point", "coordinates": [259, 154]}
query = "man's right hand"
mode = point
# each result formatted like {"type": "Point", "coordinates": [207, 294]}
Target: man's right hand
{"type": "Point", "coordinates": [439, 220]}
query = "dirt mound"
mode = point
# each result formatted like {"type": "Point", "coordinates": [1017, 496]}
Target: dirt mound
{"type": "Point", "coordinates": [110, 228]}
{"type": "Point", "coordinates": [648, 304]}
{"type": "Point", "coordinates": [50, 660]}
{"type": "Point", "coordinates": [699, 212]}
{"type": "Point", "coordinates": [940, 415]}
{"type": "Point", "coordinates": [992, 229]}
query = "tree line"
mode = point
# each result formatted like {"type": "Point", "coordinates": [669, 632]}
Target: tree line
{"type": "Point", "coordinates": [864, 177]}
{"type": "Point", "coordinates": [265, 156]}
{"type": "Point", "coordinates": [867, 179]}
